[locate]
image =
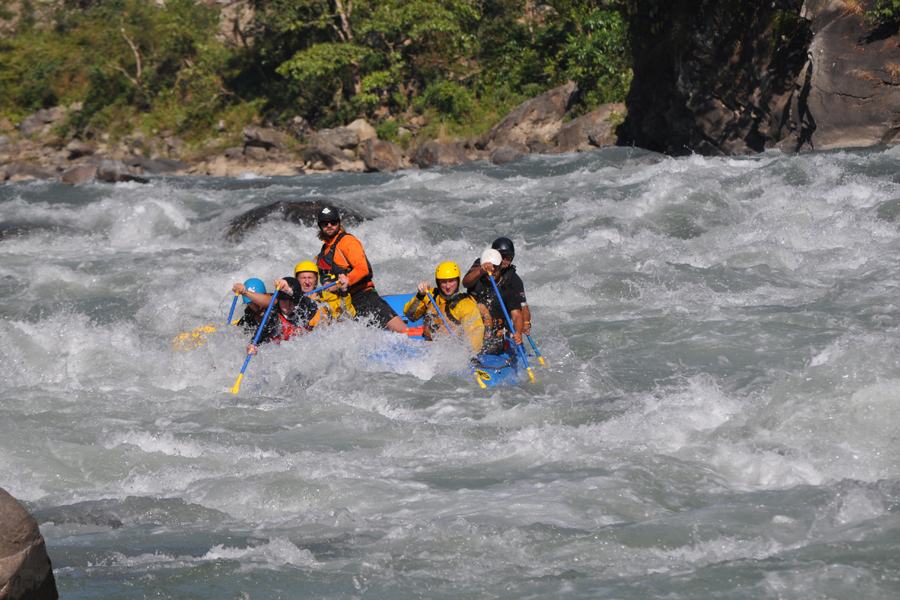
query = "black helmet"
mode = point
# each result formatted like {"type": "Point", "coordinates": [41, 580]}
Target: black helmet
{"type": "Point", "coordinates": [504, 246]}
{"type": "Point", "coordinates": [294, 293]}
{"type": "Point", "coordinates": [329, 213]}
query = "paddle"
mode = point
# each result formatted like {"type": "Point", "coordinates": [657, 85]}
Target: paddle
{"type": "Point", "coordinates": [511, 326]}
{"type": "Point", "coordinates": [447, 325]}
{"type": "Point", "coordinates": [233, 304]}
{"type": "Point", "coordinates": [237, 384]}
{"type": "Point", "coordinates": [536, 351]}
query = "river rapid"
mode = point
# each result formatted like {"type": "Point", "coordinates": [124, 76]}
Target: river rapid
{"type": "Point", "coordinates": [718, 417]}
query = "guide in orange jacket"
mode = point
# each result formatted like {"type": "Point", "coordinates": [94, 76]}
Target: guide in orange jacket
{"type": "Point", "coordinates": [343, 254]}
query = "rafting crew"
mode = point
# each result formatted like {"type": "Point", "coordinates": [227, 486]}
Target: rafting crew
{"type": "Point", "coordinates": [512, 292]}
{"type": "Point", "coordinates": [334, 304]}
{"type": "Point", "coordinates": [457, 310]}
{"type": "Point", "coordinates": [343, 254]}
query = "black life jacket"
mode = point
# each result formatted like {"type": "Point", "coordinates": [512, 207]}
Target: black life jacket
{"type": "Point", "coordinates": [328, 271]}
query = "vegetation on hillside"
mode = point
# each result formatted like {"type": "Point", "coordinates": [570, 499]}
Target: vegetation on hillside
{"type": "Point", "coordinates": [461, 63]}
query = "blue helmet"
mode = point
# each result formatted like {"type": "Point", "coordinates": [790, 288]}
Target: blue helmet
{"type": "Point", "coordinates": [254, 285]}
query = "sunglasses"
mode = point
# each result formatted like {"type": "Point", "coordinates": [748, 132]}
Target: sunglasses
{"type": "Point", "coordinates": [327, 223]}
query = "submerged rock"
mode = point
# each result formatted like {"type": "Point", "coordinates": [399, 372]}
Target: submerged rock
{"type": "Point", "coordinates": [25, 569]}
{"type": "Point", "coordinates": [301, 212]}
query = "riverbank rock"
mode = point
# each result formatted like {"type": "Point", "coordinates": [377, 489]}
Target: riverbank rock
{"type": "Point", "coordinates": [261, 137]}
{"type": "Point", "coordinates": [78, 174]}
{"type": "Point", "coordinates": [382, 156]}
{"type": "Point", "coordinates": [21, 171]}
{"type": "Point", "coordinates": [435, 154]}
{"type": "Point", "coordinates": [596, 129]}
{"type": "Point", "coordinates": [719, 81]}
{"type": "Point", "coordinates": [25, 569]}
{"type": "Point", "coordinates": [534, 123]}
{"type": "Point", "coordinates": [300, 212]}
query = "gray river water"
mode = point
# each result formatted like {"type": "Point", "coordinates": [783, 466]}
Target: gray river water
{"type": "Point", "coordinates": [718, 417]}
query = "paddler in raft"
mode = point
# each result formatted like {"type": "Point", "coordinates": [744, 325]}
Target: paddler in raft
{"type": "Point", "coordinates": [290, 316]}
{"type": "Point", "coordinates": [334, 303]}
{"type": "Point", "coordinates": [512, 290]}
{"type": "Point", "coordinates": [343, 254]}
{"type": "Point", "coordinates": [253, 312]}
{"type": "Point", "coordinates": [460, 310]}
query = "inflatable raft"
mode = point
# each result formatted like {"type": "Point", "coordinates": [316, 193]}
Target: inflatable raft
{"type": "Point", "coordinates": [493, 370]}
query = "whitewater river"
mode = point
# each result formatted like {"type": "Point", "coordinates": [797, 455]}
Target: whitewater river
{"type": "Point", "coordinates": [718, 417]}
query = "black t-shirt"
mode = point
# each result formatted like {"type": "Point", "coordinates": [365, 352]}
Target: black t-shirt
{"type": "Point", "coordinates": [512, 290]}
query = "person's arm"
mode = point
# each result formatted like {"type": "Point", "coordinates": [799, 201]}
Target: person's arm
{"type": "Point", "coordinates": [526, 316]}
{"type": "Point", "coordinates": [518, 322]}
{"type": "Point", "coordinates": [352, 251]}
{"type": "Point", "coordinates": [416, 306]}
{"type": "Point", "coordinates": [475, 273]}
{"type": "Point", "coordinates": [260, 299]}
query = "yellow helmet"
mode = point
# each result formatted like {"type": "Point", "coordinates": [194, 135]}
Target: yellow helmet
{"type": "Point", "coordinates": [306, 265]}
{"type": "Point", "coordinates": [447, 270]}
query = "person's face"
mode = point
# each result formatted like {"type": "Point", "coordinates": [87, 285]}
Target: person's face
{"type": "Point", "coordinates": [448, 286]}
{"type": "Point", "coordinates": [330, 228]}
{"type": "Point", "coordinates": [307, 281]}
{"type": "Point", "coordinates": [256, 307]}
{"type": "Point", "coordinates": [286, 306]}
{"type": "Point", "coordinates": [506, 260]}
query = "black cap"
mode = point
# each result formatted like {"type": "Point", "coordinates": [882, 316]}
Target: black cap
{"type": "Point", "coordinates": [329, 213]}
{"type": "Point", "coordinates": [504, 246]}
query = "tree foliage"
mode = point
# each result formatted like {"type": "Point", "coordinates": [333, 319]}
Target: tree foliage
{"type": "Point", "coordinates": [460, 61]}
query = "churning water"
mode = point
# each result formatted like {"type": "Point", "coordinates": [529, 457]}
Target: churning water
{"type": "Point", "coordinates": [719, 415]}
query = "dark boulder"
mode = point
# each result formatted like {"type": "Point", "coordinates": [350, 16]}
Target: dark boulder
{"type": "Point", "coordinates": [435, 154]}
{"type": "Point", "coordinates": [535, 121]}
{"type": "Point", "coordinates": [25, 569]}
{"type": "Point", "coordinates": [301, 212]}
{"type": "Point", "coordinates": [382, 156]}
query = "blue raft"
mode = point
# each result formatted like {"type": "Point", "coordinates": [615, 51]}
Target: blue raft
{"type": "Point", "coordinates": [494, 370]}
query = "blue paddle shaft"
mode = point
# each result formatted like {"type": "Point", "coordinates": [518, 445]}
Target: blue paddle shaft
{"type": "Point", "coordinates": [260, 330]}
{"type": "Point", "coordinates": [512, 327]}
{"type": "Point", "coordinates": [231, 313]}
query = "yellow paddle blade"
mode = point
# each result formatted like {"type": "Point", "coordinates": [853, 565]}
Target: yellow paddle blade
{"type": "Point", "coordinates": [531, 374]}
{"type": "Point", "coordinates": [189, 341]}
{"type": "Point", "coordinates": [541, 358]}
{"type": "Point", "coordinates": [237, 384]}
{"type": "Point", "coordinates": [481, 382]}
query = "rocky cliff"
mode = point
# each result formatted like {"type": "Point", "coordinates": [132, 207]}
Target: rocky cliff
{"type": "Point", "coordinates": [726, 77]}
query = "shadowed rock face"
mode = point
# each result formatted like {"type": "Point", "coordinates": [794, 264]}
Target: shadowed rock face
{"type": "Point", "coordinates": [727, 77]}
{"type": "Point", "coordinates": [716, 77]}
{"type": "Point", "coordinates": [301, 212]}
{"type": "Point", "coordinates": [25, 570]}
